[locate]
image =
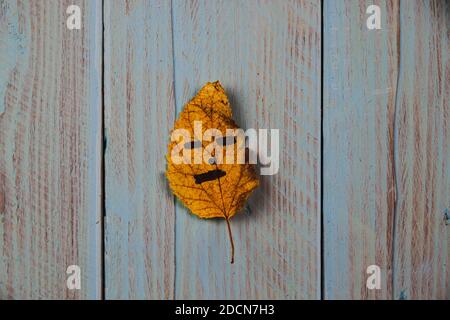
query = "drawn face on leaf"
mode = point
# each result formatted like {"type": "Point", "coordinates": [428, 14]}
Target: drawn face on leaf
{"type": "Point", "coordinates": [213, 181]}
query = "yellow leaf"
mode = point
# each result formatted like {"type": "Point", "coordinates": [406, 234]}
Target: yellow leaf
{"type": "Point", "coordinates": [214, 187]}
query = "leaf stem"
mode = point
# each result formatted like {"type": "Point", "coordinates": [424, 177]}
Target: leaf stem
{"type": "Point", "coordinates": [231, 239]}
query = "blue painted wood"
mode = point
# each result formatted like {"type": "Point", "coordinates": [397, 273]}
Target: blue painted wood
{"type": "Point", "coordinates": [139, 114]}
{"type": "Point", "coordinates": [385, 145]}
{"type": "Point", "coordinates": [50, 146]}
{"type": "Point", "coordinates": [269, 62]}
{"type": "Point", "coordinates": [386, 177]}
{"type": "Point", "coordinates": [422, 237]}
{"type": "Point", "coordinates": [360, 85]}
{"type": "Point", "coordinates": [267, 56]}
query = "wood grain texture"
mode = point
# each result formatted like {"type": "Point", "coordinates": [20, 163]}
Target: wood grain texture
{"type": "Point", "coordinates": [267, 56]}
{"type": "Point", "coordinates": [50, 106]}
{"type": "Point", "coordinates": [422, 236]}
{"type": "Point", "coordinates": [139, 113]}
{"type": "Point", "coordinates": [385, 138]}
{"type": "Point", "coordinates": [360, 78]}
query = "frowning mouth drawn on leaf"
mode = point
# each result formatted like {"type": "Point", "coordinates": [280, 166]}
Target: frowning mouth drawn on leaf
{"type": "Point", "coordinates": [219, 186]}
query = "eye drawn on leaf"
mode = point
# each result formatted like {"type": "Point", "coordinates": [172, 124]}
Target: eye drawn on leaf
{"type": "Point", "coordinates": [212, 188]}
{"type": "Point", "coordinates": [193, 144]}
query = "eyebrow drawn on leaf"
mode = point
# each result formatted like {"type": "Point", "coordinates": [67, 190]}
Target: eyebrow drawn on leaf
{"type": "Point", "coordinates": [228, 140]}
{"type": "Point", "coordinates": [193, 144]}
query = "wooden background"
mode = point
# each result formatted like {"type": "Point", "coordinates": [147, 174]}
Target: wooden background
{"type": "Point", "coordinates": [386, 150]}
{"type": "Point", "coordinates": [50, 150]}
{"type": "Point", "coordinates": [364, 179]}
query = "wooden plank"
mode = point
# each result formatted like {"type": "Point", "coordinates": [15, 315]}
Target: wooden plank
{"type": "Point", "coordinates": [139, 113]}
{"type": "Point", "coordinates": [50, 146]}
{"type": "Point", "coordinates": [360, 84]}
{"type": "Point", "coordinates": [422, 234]}
{"type": "Point", "coordinates": [267, 56]}
{"type": "Point", "coordinates": [385, 174]}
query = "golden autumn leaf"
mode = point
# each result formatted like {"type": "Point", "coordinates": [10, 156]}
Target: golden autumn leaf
{"type": "Point", "coordinates": [210, 175]}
